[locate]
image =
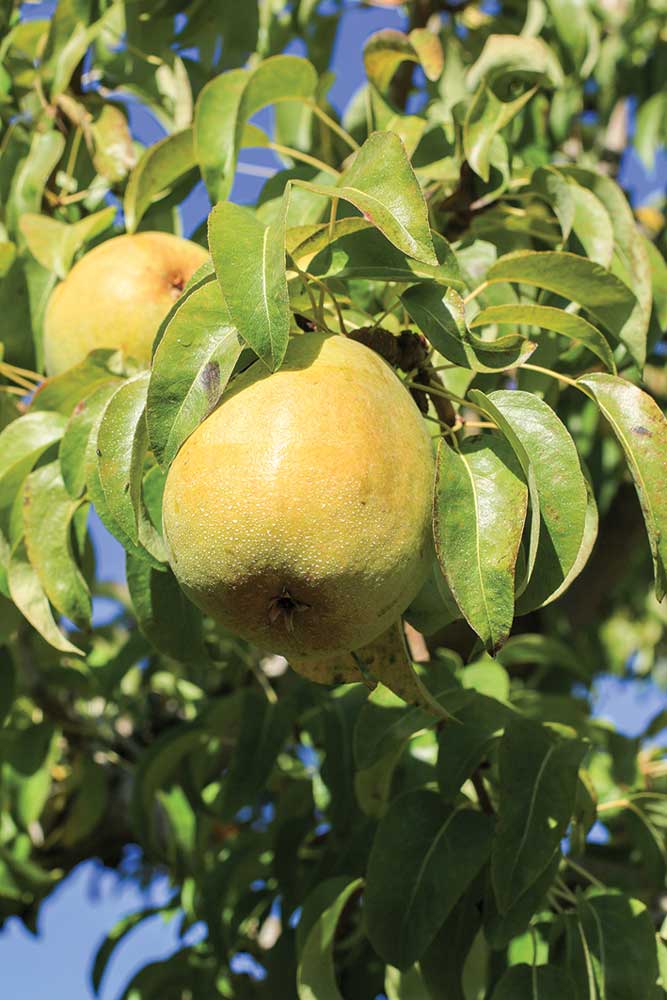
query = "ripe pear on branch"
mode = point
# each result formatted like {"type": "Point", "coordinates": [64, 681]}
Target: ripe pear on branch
{"type": "Point", "coordinates": [298, 514]}
{"type": "Point", "coordinates": [116, 296]}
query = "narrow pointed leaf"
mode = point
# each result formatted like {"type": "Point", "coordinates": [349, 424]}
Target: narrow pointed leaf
{"type": "Point", "coordinates": [75, 442]}
{"type": "Point", "coordinates": [538, 783]}
{"type": "Point", "coordinates": [433, 852]}
{"type": "Point", "coordinates": [316, 976]}
{"type": "Point", "coordinates": [442, 321]}
{"type": "Point", "coordinates": [249, 260]}
{"type": "Point", "coordinates": [21, 444]}
{"type": "Point", "coordinates": [480, 508]}
{"type": "Point", "coordinates": [641, 429]}
{"type": "Point", "coordinates": [568, 324]}
{"type": "Point", "coordinates": [29, 597]}
{"type": "Point", "coordinates": [525, 982]}
{"type": "Point", "coordinates": [191, 367]}
{"type": "Point", "coordinates": [48, 510]}
{"type": "Point", "coordinates": [122, 442]}
{"type": "Point", "coordinates": [382, 185]}
{"type": "Point", "coordinates": [561, 485]}
{"type": "Point", "coordinates": [160, 166]}
{"type": "Point", "coordinates": [577, 279]}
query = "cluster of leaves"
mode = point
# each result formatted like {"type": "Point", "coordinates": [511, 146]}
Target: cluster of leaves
{"type": "Point", "coordinates": [418, 830]}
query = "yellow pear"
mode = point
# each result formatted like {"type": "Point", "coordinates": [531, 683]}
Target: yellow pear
{"type": "Point", "coordinates": [116, 296]}
{"type": "Point", "coordinates": [298, 514]}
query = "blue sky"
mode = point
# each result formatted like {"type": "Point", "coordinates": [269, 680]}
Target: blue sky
{"type": "Point", "coordinates": [86, 906]}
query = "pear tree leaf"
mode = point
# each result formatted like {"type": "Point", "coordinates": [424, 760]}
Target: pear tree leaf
{"type": "Point", "coordinates": [641, 430]}
{"type": "Point", "coordinates": [48, 510]}
{"type": "Point", "coordinates": [191, 367]}
{"type": "Point", "coordinates": [442, 320]}
{"type": "Point", "coordinates": [487, 114]}
{"type": "Point", "coordinates": [630, 262]}
{"type": "Point", "coordinates": [592, 225]}
{"type": "Point", "coordinates": [568, 324]}
{"type": "Point", "coordinates": [538, 783]}
{"type": "Point", "coordinates": [61, 393]}
{"type": "Point", "coordinates": [122, 442]}
{"type": "Point", "coordinates": [560, 483]}
{"type": "Point", "coordinates": [75, 440]}
{"type": "Point", "coordinates": [158, 169]}
{"type": "Point", "coordinates": [22, 442]}
{"type": "Point", "coordinates": [515, 56]}
{"type": "Point", "coordinates": [29, 597]}
{"type": "Point", "coordinates": [316, 977]}
{"type": "Point", "coordinates": [434, 852]}
{"type": "Point", "coordinates": [382, 185]}
{"type": "Point", "coordinates": [537, 982]}
{"type": "Point", "coordinates": [30, 179]}
{"type": "Point", "coordinates": [442, 964]}
{"type": "Point", "coordinates": [481, 500]}
{"type": "Point", "coordinates": [54, 244]}
{"type": "Point", "coordinates": [164, 615]}
{"type": "Point", "coordinates": [227, 102]}
{"type": "Point", "coordinates": [608, 927]}
{"type": "Point", "coordinates": [249, 260]}
{"type": "Point", "coordinates": [463, 748]}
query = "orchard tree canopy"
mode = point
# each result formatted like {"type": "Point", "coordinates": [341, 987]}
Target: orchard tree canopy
{"type": "Point", "coordinates": [419, 803]}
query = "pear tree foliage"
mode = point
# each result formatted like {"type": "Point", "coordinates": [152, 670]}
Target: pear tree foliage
{"type": "Point", "coordinates": [453, 821]}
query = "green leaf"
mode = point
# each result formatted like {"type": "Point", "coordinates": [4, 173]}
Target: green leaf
{"type": "Point", "coordinates": [538, 783]}
{"type": "Point", "coordinates": [650, 128]}
{"type": "Point", "coordinates": [191, 367]}
{"type": "Point", "coordinates": [30, 179]}
{"type": "Point", "coordinates": [539, 982]}
{"type": "Point", "coordinates": [115, 936]}
{"type": "Point", "coordinates": [461, 749]}
{"type": "Point", "coordinates": [361, 251]}
{"type": "Point", "coordinates": [382, 185]}
{"type": "Point", "coordinates": [513, 56]}
{"type": "Point", "coordinates": [164, 614]}
{"type": "Point", "coordinates": [577, 279]}
{"type": "Point", "coordinates": [226, 104]}
{"type": "Point", "coordinates": [641, 430]}
{"type": "Point", "coordinates": [88, 805]}
{"type": "Point", "coordinates": [62, 392]}
{"type": "Point", "coordinates": [29, 597]}
{"type": "Point", "coordinates": [122, 442]}
{"type": "Point", "coordinates": [480, 508]}
{"type": "Point", "coordinates": [442, 321]}
{"type": "Point", "coordinates": [615, 926]}
{"type": "Point", "coordinates": [54, 244]}
{"type": "Point", "coordinates": [442, 964]}
{"type": "Point", "coordinates": [485, 117]}
{"type": "Point", "coordinates": [630, 262]}
{"type": "Point", "coordinates": [249, 260]}
{"type": "Point", "coordinates": [160, 166]}
{"type": "Point", "coordinates": [560, 483]}
{"type": "Point", "coordinates": [592, 225]}
{"type": "Point", "coordinates": [75, 441]}
{"type": "Point", "coordinates": [316, 976]}
{"type": "Point", "coordinates": [418, 840]}
{"type": "Point", "coordinates": [22, 442]}
{"type": "Point", "coordinates": [48, 510]}
{"type": "Point", "coordinates": [387, 49]}
{"type": "Point", "coordinates": [264, 729]}
{"type": "Point", "coordinates": [548, 318]}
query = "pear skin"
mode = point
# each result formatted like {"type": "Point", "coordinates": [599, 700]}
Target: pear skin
{"type": "Point", "coordinates": [298, 514]}
{"type": "Point", "coordinates": [116, 296]}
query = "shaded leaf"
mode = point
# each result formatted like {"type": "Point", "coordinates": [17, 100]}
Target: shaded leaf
{"type": "Point", "coordinates": [316, 977]}
{"type": "Point", "coordinates": [543, 982]}
{"type": "Point", "coordinates": [75, 442]}
{"type": "Point", "coordinates": [538, 782]}
{"type": "Point", "coordinates": [434, 853]}
{"type": "Point", "coordinates": [164, 614]}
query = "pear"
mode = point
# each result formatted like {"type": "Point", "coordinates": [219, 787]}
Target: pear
{"type": "Point", "coordinates": [116, 296]}
{"type": "Point", "coordinates": [298, 514]}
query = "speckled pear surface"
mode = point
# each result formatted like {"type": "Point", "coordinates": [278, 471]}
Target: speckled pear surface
{"type": "Point", "coordinates": [298, 514]}
{"type": "Point", "coordinates": [116, 296]}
